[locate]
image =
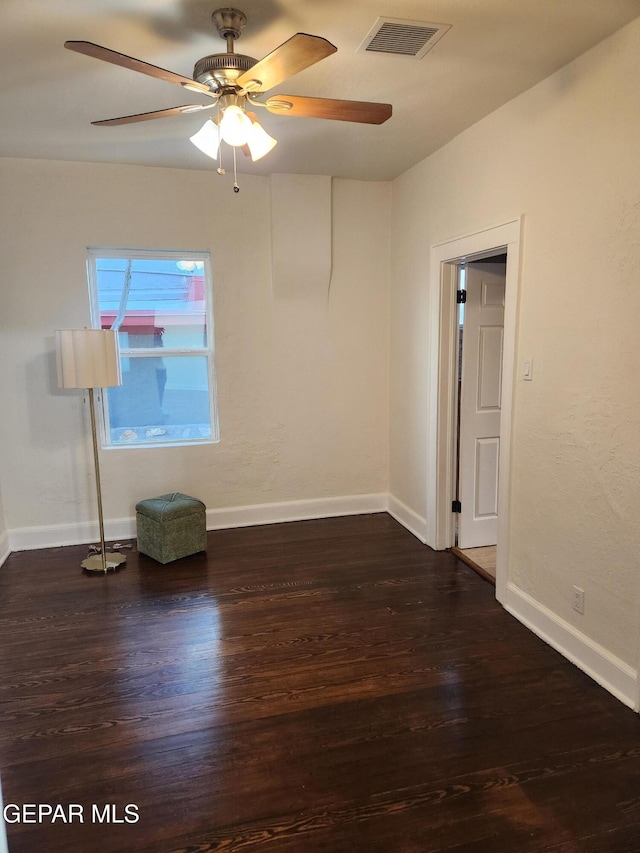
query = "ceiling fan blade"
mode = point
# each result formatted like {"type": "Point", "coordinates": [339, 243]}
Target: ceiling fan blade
{"type": "Point", "coordinates": [124, 61]}
{"type": "Point", "coordinates": [293, 55]}
{"type": "Point", "coordinates": [365, 112]}
{"type": "Point", "coordinates": [172, 111]}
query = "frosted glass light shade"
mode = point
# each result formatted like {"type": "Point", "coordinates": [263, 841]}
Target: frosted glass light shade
{"type": "Point", "coordinates": [88, 358]}
{"type": "Point", "coordinates": [259, 141]}
{"type": "Point", "coordinates": [207, 139]}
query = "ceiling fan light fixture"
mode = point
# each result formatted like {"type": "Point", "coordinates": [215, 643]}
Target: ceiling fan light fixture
{"type": "Point", "coordinates": [207, 139]}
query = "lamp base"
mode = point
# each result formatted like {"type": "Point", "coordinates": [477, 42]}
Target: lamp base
{"type": "Point", "coordinates": [111, 561]}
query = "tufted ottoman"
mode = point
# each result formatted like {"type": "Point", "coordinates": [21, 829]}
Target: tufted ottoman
{"type": "Point", "coordinates": [171, 526]}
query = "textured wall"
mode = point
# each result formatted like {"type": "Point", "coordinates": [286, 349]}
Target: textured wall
{"type": "Point", "coordinates": [3, 526]}
{"type": "Point", "coordinates": [564, 155]}
{"type": "Point", "coordinates": [302, 380]}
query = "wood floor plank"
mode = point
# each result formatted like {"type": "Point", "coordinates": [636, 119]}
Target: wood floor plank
{"type": "Point", "coordinates": [326, 685]}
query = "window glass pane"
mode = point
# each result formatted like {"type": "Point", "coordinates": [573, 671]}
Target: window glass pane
{"type": "Point", "coordinates": [161, 400]}
{"type": "Point", "coordinates": [158, 303]}
{"type": "Point", "coordinates": [153, 302]}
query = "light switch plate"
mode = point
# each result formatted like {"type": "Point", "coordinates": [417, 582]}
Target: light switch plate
{"type": "Point", "coordinates": [527, 371]}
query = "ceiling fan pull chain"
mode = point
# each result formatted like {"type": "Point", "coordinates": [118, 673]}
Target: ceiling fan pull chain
{"type": "Point", "coordinates": [236, 188]}
{"type": "Point", "coordinates": [220, 169]}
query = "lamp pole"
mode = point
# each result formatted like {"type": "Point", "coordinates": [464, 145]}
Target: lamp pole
{"type": "Point", "coordinates": [99, 562]}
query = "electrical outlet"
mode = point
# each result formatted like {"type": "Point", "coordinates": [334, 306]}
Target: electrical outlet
{"type": "Point", "coordinates": [578, 599]}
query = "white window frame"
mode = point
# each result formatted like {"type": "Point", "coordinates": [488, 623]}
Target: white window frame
{"type": "Point", "coordinates": [208, 352]}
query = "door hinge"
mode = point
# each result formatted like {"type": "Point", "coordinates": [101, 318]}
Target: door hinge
{"type": "Point", "coordinates": [456, 506]}
{"type": "Point", "coordinates": [461, 296]}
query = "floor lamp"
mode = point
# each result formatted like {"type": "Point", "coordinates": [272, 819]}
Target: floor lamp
{"type": "Point", "coordinates": [90, 358]}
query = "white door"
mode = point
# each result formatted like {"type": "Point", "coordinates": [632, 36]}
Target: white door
{"type": "Point", "coordinates": [480, 400]}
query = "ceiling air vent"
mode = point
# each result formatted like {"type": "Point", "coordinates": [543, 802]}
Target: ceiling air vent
{"type": "Point", "coordinates": [402, 38]}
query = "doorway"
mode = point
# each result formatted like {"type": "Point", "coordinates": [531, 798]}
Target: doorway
{"type": "Point", "coordinates": [446, 260]}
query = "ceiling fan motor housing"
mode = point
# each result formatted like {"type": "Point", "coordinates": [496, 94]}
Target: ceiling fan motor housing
{"type": "Point", "coordinates": [221, 70]}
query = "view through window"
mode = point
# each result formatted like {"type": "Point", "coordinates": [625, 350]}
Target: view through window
{"type": "Point", "coordinates": [160, 304]}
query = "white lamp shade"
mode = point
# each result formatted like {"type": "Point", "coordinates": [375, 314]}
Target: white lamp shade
{"type": "Point", "coordinates": [88, 358]}
{"type": "Point", "coordinates": [207, 139]}
{"type": "Point", "coordinates": [259, 141]}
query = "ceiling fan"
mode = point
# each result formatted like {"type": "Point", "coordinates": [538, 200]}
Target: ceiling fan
{"type": "Point", "coordinates": [234, 81]}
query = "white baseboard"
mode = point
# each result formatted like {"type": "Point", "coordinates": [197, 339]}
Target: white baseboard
{"type": "Point", "coordinates": [408, 518]}
{"type": "Point", "coordinates": [275, 513]}
{"type": "Point", "coordinates": [56, 535]}
{"type": "Point", "coordinates": [5, 550]}
{"type": "Point", "coordinates": [608, 670]}
{"type": "Point", "coordinates": [80, 533]}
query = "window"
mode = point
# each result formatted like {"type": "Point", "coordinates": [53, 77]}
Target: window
{"type": "Point", "coordinates": [161, 305]}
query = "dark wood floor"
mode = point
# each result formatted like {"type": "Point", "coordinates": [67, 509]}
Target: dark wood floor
{"type": "Point", "coordinates": [320, 686]}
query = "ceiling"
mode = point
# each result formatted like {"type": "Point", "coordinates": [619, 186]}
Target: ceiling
{"type": "Point", "coordinates": [494, 50]}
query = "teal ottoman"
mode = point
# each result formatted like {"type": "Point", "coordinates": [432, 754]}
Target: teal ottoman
{"type": "Point", "coordinates": [171, 526]}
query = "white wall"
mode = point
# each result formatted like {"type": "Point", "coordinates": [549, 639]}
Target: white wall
{"type": "Point", "coordinates": [565, 155]}
{"type": "Point", "coordinates": [302, 380]}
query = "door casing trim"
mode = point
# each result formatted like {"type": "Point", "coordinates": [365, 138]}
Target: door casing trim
{"type": "Point", "coordinates": [445, 257]}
